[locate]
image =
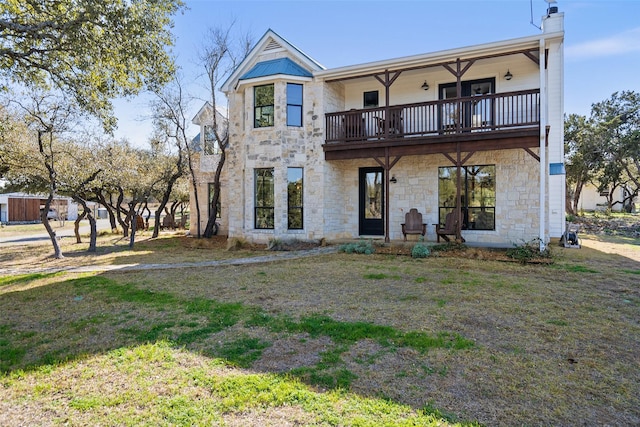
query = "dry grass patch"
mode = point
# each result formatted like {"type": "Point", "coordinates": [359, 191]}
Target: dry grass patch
{"type": "Point", "coordinates": [550, 344]}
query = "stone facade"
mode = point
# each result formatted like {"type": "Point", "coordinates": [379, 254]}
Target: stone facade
{"type": "Point", "coordinates": [205, 174]}
{"type": "Point", "coordinates": [331, 188]}
{"type": "Point", "coordinates": [516, 218]}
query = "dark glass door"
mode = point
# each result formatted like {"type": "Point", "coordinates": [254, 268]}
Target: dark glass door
{"type": "Point", "coordinates": [371, 201]}
{"type": "Point", "coordinates": [468, 114]}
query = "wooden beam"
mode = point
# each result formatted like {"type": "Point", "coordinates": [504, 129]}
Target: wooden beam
{"type": "Point", "coordinates": [393, 163]}
{"type": "Point", "coordinates": [451, 70]}
{"type": "Point", "coordinates": [532, 57]}
{"type": "Point", "coordinates": [467, 157]}
{"type": "Point", "coordinates": [466, 67]}
{"type": "Point", "coordinates": [386, 195]}
{"type": "Point", "coordinates": [459, 196]}
{"type": "Point", "coordinates": [534, 155]}
{"type": "Point", "coordinates": [395, 76]}
{"type": "Point", "coordinates": [459, 71]}
{"type": "Point", "coordinates": [415, 146]}
{"type": "Point", "coordinates": [388, 81]}
{"type": "Point", "coordinates": [451, 159]}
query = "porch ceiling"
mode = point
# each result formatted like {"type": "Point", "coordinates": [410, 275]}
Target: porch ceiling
{"type": "Point", "coordinates": [415, 146]}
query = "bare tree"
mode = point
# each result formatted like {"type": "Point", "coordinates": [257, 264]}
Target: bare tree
{"type": "Point", "coordinates": [171, 123]}
{"type": "Point", "coordinates": [219, 57]}
{"type": "Point", "coordinates": [171, 129]}
{"type": "Point", "coordinates": [78, 171]}
{"type": "Point", "coordinates": [49, 117]}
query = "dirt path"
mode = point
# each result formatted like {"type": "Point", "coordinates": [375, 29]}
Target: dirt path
{"type": "Point", "coordinates": [275, 256]}
{"type": "Point", "coordinates": [631, 251]}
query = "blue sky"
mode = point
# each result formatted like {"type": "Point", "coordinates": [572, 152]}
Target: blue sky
{"type": "Point", "coordinates": [602, 38]}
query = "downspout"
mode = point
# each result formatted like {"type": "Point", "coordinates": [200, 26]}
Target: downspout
{"type": "Point", "coordinates": [543, 148]}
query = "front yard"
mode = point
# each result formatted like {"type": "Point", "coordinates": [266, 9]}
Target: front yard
{"type": "Point", "coordinates": [337, 339]}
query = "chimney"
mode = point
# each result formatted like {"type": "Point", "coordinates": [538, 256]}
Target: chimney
{"type": "Point", "coordinates": [553, 21]}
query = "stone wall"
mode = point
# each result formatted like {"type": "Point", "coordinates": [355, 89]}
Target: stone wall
{"type": "Point", "coordinates": [517, 183]}
{"type": "Point", "coordinates": [278, 147]}
{"type": "Point", "coordinates": [205, 173]}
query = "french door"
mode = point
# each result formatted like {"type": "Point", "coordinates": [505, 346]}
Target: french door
{"type": "Point", "coordinates": [371, 202]}
{"type": "Point", "coordinates": [468, 114]}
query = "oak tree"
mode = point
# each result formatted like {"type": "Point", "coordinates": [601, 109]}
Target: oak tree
{"type": "Point", "coordinates": [93, 51]}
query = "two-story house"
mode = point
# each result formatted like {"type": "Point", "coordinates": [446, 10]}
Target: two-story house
{"type": "Point", "coordinates": [346, 152]}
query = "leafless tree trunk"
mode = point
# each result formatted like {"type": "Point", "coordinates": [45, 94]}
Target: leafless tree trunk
{"type": "Point", "coordinates": [93, 234]}
{"type": "Point", "coordinates": [220, 59]}
{"type": "Point", "coordinates": [76, 226]}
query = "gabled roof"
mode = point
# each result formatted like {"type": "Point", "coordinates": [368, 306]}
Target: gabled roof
{"type": "Point", "coordinates": [195, 143]}
{"type": "Point", "coordinates": [204, 113]}
{"type": "Point", "coordinates": [276, 66]}
{"type": "Point", "coordinates": [271, 43]}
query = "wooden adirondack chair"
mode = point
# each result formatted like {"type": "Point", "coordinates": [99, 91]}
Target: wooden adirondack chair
{"type": "Point", "coordinates": [413, 223]}
{"type": "Point", "coordinates": [168, 222]}
{"type": "Point", "coordinates": [450, 227]}
{"type": "Point", "coordinates": [140, 223]}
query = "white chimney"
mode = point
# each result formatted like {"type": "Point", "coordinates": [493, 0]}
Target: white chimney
{"type": "Point", "coordinates": [553, 21]}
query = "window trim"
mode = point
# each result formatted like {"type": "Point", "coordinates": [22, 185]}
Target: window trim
{"type": "Point", "coordinates": [210, 146]}
{"type": "Point", "coordinates": [290, 105]}
{"type": "Point", "coordinates": [467, 209]}
{"type": "Point", "coordinates": [371, 105]}
{"type": "Point", "coordinates": [291, 207]}
{"type": "Point", "coordinates": [257, 107]}
{"type": "Point", "coordinates": [258, 208]}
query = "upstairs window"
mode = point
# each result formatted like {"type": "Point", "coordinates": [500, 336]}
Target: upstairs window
{"type": "Point", "coordinates": [294, 104]}
{"type": "Point", "coordinates": [370, 99]}
{"type": "Point", "coordinates": [210, 145]}
{"type": "Point", "coordinates": [263, 106]}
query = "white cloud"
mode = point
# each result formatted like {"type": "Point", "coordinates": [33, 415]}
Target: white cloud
{"type": "Point", "coordinates": [618, 44]}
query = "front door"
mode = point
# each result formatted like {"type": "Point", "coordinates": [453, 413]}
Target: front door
{"type": "Point", "coordinates": [371, 201]}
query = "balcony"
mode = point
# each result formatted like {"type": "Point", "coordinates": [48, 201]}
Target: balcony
{"type": "Point", "coordinates": [484, 122]}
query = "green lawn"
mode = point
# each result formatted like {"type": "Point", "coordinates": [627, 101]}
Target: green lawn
{"type": "Point", "coordinates": [339, 339]}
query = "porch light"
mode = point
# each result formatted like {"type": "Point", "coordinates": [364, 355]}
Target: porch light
{"type": "Point", "coordinates": [393, 179]}
{"type": "Point", "coordinates": [425, 85]}
{"type": "Point", "coordinates": [508, 76]}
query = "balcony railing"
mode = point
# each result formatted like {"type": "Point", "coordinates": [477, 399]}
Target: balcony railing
{"type": "Point", "coordinates": [483, 113]}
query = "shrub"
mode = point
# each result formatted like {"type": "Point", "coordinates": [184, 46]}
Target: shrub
{"type": "Point", "coordinates": [360, 247]}
{"type": "Point", "coordinates": [275, 245]}
{"type": "Point", "coordinates": [528, 251]}
{"type": "Point", "coordinates": [236, 244]}
{"type": "Point", "coordinates": [420, 250]}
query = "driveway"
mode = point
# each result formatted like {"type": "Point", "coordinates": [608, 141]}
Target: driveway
{"type": "Point", "coordinates": [7, 239]}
